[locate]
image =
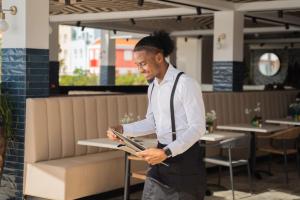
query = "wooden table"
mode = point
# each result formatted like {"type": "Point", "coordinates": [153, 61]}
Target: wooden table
{"type": "Point", "coordinates": [247, 127]}
{"type": "Point", "coordinates": [286, 121]}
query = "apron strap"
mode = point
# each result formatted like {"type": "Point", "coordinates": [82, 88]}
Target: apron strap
{"type": "Point", "coordinates": [172, 106]}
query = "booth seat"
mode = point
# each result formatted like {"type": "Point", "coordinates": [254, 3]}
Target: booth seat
{"type": "Point", "coordinates": [55, 167]}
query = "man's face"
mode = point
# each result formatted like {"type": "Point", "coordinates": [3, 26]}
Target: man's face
{"type": "Point", "coordinates": [147, 62]}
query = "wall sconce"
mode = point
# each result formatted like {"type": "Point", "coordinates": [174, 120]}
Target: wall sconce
{"type": "Point", "coordinates": [3, 24]}
{"type": "Point", "coordinates": [220, 40]}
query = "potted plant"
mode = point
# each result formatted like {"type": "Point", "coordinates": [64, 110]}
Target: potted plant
{"type": "Point", "coordinates": [6, 130]}
{"type": "Point", "coordinates": [256, 120]}
{"type": "Point", "coordinates": [294, 111]}
{"type": "Point", "coordinates": [210, 117]}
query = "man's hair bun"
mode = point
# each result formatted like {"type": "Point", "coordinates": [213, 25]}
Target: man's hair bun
{"type": "Point", "coordinates": [160, 40]}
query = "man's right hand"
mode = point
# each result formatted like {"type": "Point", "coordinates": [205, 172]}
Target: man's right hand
{"type": "Point", "coordinates": [111, 135]}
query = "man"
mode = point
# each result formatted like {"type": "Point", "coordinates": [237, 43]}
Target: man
{"type": "Point", "coordinates": [176, 114]}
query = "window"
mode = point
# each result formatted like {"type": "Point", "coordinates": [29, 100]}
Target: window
{"type": "Point", "coordinates": [80, 58]}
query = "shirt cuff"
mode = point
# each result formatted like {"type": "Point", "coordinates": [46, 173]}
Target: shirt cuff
{"type": "Point", "coordinates": [174, 149]}
{"type": "Point", "coordinates": [126, 129]}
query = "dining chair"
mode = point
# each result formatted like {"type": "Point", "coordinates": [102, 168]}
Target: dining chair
{"type": "Point", "coordinates": [290, 134]}
{"type": "Point", "coordinates": [227, 160]}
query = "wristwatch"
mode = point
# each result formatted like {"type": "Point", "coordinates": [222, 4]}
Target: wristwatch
{"type": "Point", "coordinates": [168, 152]}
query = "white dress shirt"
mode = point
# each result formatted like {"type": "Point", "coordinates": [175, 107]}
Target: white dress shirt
{"type": "Point", "coordinates": [188, 110]}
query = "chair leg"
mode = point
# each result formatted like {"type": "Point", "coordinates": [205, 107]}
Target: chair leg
{"type": "Point", "coordinates": [231, 180]}
{"type": "Point", "coordinates": [249, 179]}
{"type": "Point", "coordinates": [219, 175]}
{"type": "Point", "coordinates": [270, 163]}
{"type": "Point", "coordinates": [298, 158]}
{"type": "Point", "coordinates": [285, 169]}
{"type": "Point", "coordinates": [298, 163]}
{"type": "Point", "coordinates": [231, 172]}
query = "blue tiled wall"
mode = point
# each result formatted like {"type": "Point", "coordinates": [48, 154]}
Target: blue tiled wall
{"type": "Point", "coordinates": [24, 74]}
{"type": "Point", "coordinates": [228, 76]}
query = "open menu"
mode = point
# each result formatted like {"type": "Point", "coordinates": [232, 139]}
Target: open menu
{"type": "Point", "coordinates": [129, 142]}
{"type": "Point", "coordinates": [130, 145]}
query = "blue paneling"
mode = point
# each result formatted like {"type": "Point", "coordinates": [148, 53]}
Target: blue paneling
{"type": "Point", "coordinates": [228, 76]}
{"type": "Point", "coordinates": [24, 74]}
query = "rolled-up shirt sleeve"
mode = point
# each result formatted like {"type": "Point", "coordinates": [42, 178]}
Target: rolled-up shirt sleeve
{"type": "Point", "coordinates": [192, 101]}
{"type": "Point", "coordinates": [142, 127]}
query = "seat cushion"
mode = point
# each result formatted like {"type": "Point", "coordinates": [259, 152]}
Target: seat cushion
{"type": "Point", "coordinates": [76, 177]}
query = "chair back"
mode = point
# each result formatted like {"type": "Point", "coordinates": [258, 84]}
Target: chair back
{"type": "Point", "coordinates": [288, 134]}
{"type": "Point", "coordinates": [237, 142]}
{"type": "Point", "coordinates": [242, 142]}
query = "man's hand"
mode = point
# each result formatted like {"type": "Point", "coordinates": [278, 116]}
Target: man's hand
{"type": "Point", "coordinates": [111, 135]}
{"type": "Point", "coordinates": [153, 155]}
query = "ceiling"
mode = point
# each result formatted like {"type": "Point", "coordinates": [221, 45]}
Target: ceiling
{"type": "Point", "coordinates": [58, 7]}
{"type": "Point", "coordinates": [163, 14]}
{"type": "Point", "coordinates": [118, 14]}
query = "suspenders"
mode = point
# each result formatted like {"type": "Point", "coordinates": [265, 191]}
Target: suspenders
{"type": "Point", "coordinates": [172, 107]}
{"type": "Point", "coordinates": [171, 104]}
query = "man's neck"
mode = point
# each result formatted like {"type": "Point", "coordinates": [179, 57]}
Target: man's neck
{"type": "Point", "coordinates": [162, 74]}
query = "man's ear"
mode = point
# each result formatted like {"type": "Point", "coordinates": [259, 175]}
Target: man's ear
{"type": "Point", "coordinates": [159, 58]}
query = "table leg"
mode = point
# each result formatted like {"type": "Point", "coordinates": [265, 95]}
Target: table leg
{"type": "Point", "coordinates": [255, 173]}
{"type": "Point", "coordinates": [253, 153]}
{"type": "Point", "coordinates": [127, 177]}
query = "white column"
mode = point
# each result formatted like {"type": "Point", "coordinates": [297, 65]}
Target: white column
{"type": "Point", "coordinates": [108, 59]}
{"type": "Point", "coordinates": [189, 56]}
{"type": "Point", "coordinates": [228, 36]}
{"type": "Point", "coordinates": [29, 28]}
{"type": "Point", "coordinates": [25, 69]}
{"type": "Point", "coordinates": [53, 42]}
{"type": "Point", "coordinates": [228, 67]}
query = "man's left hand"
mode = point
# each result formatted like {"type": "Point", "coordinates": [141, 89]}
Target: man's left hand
{"type": "Point", "coordinates": [153, 155]}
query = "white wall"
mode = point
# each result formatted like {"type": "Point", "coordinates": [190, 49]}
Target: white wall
{"type": "Point", "coordinates": [188, 57]}
{"type": "Point", "coordinates": [231, 24]}
{"type": "Point", "coordinates": [29, 28]}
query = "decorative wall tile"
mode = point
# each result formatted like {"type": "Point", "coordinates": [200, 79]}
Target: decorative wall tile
{"type": "Point", "coordinates": [228, 76]}
{"type": "Point", "coordinates": [24, 74]}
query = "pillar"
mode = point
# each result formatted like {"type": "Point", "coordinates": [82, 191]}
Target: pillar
{"type": "Point", "coordinates": [25, 62]}
{"type": "Point", "coordinates": [108, 59]}
{"type": "Point", "coordinates": [228, 66]}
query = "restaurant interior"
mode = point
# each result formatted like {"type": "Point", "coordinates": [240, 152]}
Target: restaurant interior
{"type": "Point", "coordinates": [67, 75]}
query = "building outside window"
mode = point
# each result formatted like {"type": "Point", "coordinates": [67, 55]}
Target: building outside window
{"type": "Point", "coordinates": [80, 62]}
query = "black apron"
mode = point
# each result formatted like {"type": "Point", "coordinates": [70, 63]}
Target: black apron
{"type": "Point", "coordinates": [186, 172]}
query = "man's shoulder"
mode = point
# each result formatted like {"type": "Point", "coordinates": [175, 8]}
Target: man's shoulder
{"type": "Point", "coordinates": [187, 79]}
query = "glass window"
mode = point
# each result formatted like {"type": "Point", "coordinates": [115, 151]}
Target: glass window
{"type": "Point", "coordinates": [82, 65]}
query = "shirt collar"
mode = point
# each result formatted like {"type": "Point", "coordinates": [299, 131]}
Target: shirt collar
{"type": "Point", "coordinates": [169, 76]}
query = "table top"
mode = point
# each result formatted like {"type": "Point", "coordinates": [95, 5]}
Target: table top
{"type": "Point", "coordinates": [107, 143]}
{"type": "Point", "coordinates": [220, 135]}
{"type": "Point", "coordinates": [147, 142]}
{"type": "Point", "coordinates": [266, 128]}
{"type": "Point", "coordinates": [287, 121]}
